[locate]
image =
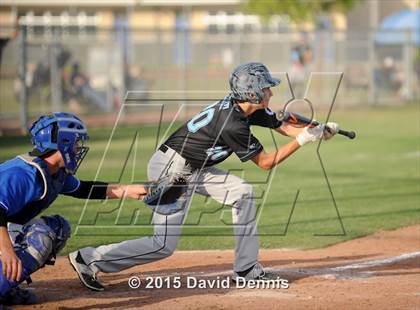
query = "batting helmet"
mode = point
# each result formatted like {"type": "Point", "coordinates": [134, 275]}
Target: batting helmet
{"type": "Point", "coordinates": [248, 80]}
{"type": "Point", "coordinates": [64, 132]}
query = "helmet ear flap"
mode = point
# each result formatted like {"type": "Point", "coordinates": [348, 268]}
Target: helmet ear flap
{"type": "Point", "coordinates": [54, 133]}
{"type": "Point", "coordinates": [253, 97]}
{"type": "Point", "coordinates": [44, 135]}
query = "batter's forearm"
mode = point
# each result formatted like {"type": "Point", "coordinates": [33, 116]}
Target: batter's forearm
{"type": "Point", "coordinates": [285, 151]}
{"type": "Point", "coordinates": [269, 160]}
{"type": "Point", "coordinates": [288, 130]}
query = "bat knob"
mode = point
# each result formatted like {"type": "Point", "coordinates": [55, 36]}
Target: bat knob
{"type": "Point", "coordinates": [351, 135]}
{"type": "Point", "coordinates": [348, 134]}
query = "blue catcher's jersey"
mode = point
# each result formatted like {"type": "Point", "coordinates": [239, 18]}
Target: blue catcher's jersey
{"type": "Point", "coordinates": [27, 187]}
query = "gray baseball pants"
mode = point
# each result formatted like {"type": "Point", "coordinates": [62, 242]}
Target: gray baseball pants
{"type": "Point", "coordinates": [211, 181]}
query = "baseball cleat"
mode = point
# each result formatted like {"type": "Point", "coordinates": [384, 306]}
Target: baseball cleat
{"type": "Point", "coordinates": [86, 275]}
{"type": "Point", "coordinates": [256, 272]}
{"type": "Point", "coordinates": [19, 296]}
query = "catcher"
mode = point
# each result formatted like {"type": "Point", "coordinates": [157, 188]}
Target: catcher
{"type": "Point", "coordinates": [193, 151]}
{"type": "Point", "coordinates": [29, 184]}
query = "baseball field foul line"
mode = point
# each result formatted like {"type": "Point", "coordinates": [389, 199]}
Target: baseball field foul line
{"type": "Point", "coordinates": [378, 262]}
{"type": "Point", "coordinates": [339, 272]}
{"type": "Point", "coordinates": [328, 272]}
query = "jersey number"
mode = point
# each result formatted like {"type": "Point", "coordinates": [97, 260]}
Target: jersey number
{"type": "Point", "coordinates": [200, 120]}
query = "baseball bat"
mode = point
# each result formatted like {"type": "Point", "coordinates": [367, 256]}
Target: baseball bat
{"type": "Point", "coordinates": [294, 118]}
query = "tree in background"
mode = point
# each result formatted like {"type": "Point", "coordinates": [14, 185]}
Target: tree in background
{"type": "Point", "coordinates": [298, 10]}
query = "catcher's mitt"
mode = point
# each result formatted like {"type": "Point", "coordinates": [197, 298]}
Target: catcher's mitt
{"type": "Point", "coordinates": [163, 194]}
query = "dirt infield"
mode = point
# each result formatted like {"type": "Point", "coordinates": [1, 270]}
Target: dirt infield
{"type": "Point", "coordinates": [381, 271]}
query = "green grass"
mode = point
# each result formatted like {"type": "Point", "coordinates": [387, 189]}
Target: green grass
{"type": "Point", "coordinates": [375, 180]}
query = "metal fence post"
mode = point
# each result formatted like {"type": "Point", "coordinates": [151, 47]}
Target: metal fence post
{"type": "Point", "coordinates": [56, 85]}
{"type": "Point", "coordinates": [372, 93]}
{"type": "Point", "coordinates": [22, 78]}
{"type": "Point", "coordinates": [374, 21]}
{"type": "Point", "coordinates": [408, 65]}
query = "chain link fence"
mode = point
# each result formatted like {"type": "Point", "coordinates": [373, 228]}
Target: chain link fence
{"type": "Point", "coordinates": [90, 71]}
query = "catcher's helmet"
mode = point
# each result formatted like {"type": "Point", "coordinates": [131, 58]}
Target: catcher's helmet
{"type": "Point", "coordinates": [248, 80]}
{"type": "Point", "coordinates": [64, 132]}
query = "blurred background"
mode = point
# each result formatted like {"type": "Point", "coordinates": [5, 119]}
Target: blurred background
{"type": "Point", "coordinates": [84, 55]}
{"type": "Point", "coordinates": [130, 60]}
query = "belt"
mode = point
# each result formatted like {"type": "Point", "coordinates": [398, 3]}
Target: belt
{"type": "Point", "coordinates": [163, 148]}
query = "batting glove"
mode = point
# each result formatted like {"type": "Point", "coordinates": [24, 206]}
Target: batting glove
{"type": "Point", "coordinates": [330, 130]}
{"type": "Point", "coordinates": [309, 134]}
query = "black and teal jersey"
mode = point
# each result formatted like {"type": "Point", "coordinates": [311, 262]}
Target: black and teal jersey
{"type": "Point", "coordinates": [219, 130]}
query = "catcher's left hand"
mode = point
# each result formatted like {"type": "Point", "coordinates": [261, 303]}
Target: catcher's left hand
{"type": "Point", "coordinates": [163, 194]}
{"type": "Point", "coordinates": [331, 129]}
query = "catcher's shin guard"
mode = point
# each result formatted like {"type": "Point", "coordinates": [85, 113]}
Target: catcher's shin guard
{"type": "Point", "coordinates": [36, 245]}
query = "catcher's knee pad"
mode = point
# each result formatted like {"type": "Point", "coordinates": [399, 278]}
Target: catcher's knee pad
{"type": "Point", "coordinates": [58, 229]}
{"type": "Point", "coordinates": [61, 228]}
{"type": "Point", "coordinates": [37, 244]}
{"type": "Point", "coordinates": [33, 246]}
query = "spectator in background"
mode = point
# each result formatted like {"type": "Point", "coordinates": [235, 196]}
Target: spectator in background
{"type": "Point", "coordinates": [75, 85]}
{"type": "Point", "coordinates": [389, 77]}
{"type": "Point", "coordinates": [136, 82]}
{"type": "Point", "coordinates": [302, 57]}
{"type": "Point", "coordinates": [83, 90]}
{"type": "Point", "coordinates": [297, 75]}
{"type": "Point", "coordinates": [41, 76]}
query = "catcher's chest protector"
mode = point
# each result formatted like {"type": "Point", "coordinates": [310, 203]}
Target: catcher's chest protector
{"type": "Point", "coordinates": [52, 188]}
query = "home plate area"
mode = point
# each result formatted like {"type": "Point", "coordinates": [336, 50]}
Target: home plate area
{"type": "Point", "coordinates": [381, 271]}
